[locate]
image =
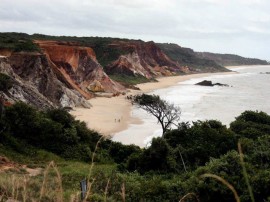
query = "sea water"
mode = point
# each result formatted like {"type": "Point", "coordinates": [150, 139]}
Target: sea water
{"type": "Point", "coordinates": [249, 89]}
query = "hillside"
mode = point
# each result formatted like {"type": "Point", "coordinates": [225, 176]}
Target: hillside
{"type": "Point", "coordinates": [61, 71]}
{"type": "Point", "coordinates": [51, 74]}
{"type": "Point", "coordinates": [230, 60]}
{"type": "Point", "coordinates": [128, 58]}
{"type": "Point", "coordinates": [172, 167]}
{"type": "Point", "coordinates": [187, 57]}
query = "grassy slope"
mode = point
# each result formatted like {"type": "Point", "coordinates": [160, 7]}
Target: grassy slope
{"type": "Point", "coordinates": [230, 59]}
{"type": "Point", "coordinates": [17, 42]}
{"type": "Point", "coordinates": [155, 185]}
{"type": "Point", "coordinates": [187, 57]}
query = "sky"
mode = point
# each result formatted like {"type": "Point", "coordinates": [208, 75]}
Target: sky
{"type": "Point", "coordinates": [222, 26]}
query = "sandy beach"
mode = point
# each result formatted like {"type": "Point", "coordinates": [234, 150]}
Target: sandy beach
{"type": "Point", "coordinates": [112, 115]}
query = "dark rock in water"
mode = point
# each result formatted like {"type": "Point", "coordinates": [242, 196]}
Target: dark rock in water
{"type": "Point", "coordinates": [205, 83]}
{"type": "Point", "coordinates": [220, 84]}
{"type": "Point", "coordinates": [209, 83]}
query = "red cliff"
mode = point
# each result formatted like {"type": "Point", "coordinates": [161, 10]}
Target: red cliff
{"type": "Point", "coordinates": [78, 68]}
{"type": "Point", "coordinates": [142, 58]}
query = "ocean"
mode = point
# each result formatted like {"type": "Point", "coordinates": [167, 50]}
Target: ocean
{"type": "Point", "coordinates": [249, 89]}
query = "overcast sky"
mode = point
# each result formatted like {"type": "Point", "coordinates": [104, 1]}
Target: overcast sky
{"type": "Point", "coordinates": [222, 26]}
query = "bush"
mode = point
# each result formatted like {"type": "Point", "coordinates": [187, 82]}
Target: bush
{"type": "Point", "coordinates": [200, 142]}
{"type": "Point", "coordinates": [120, 152]}
{"type": "Point", "coordinates": [5, 82]}
{"type": "Point", "coordinates": [55, 131]}
{"type": "Point", "coordinates": [158, 157]}
{"type": "Point", "coordinates": [251, 124]}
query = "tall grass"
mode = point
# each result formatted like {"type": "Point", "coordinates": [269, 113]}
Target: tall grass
{"type": "Point", "coordinates": [245, 174]}
{"type": "Point", "coordinates": [59, 188]}
{"type": "Point", "coordinates": [189, 195]}
{"type": "Point", "coordinates": [223, 181]}
{"type": "Point", "coordinates": [226, 183]}
{"type": "Point", "coordinates": [47, 188]}
{"type": "Point", "coordinates": [90, 183]}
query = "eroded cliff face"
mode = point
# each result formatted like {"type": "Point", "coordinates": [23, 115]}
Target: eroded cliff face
{"type": "Point", "coordinates": [63, 74]}
{"type": "Point", "coordinates": [68, 74]}
{"type": "Point", "coordinates": [78, 68]}
{"type": "Point", "coordinates": [142, 58]}
{"type": "Point", "coordinates": [36, 71]}
{"type": "Point", "coordinates": [21, 90]}
{"type": "Point", "coordinates": [35, 83]}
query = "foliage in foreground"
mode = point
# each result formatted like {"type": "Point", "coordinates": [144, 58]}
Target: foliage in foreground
{"type": "Point", "coordinates": [167, 170]}
{"type": "Point", "coordinates": [27, 130]}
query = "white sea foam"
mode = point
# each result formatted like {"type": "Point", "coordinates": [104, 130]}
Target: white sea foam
{"type": "Point", "coordinates": [249, 90]}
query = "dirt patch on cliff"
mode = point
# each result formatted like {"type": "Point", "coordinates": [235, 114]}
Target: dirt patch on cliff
{"type": "Point", "coordinates": [7, 165]}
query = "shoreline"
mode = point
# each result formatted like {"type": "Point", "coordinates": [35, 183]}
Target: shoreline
{"type": "Point", "coordinates": [109, 116]}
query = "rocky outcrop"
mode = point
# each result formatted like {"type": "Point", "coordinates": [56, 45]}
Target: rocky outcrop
{"type": "Point", "coordinates": [50, 71]}
{"type": "Point", "coordinates": [210, 83]}
{"type": "Point", "coordinates": [62, 74]}
{"type": "Point", "coordinates": [4, 52]}
{"type": "Point", "coordinates": [35, 82]}
{"type": "Point", "coordinates": [144, 59]}
{"type": "Point", "coordinates": [21, 90]}
{"type": "Point", "coordinates": [78, 68]}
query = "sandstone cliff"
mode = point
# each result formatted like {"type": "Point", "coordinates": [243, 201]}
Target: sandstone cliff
{"type": "Point", "coordinates": [50, 71]}
{"type": "Point", "coordinates": [21, 90]}
{"type": "Point", "coordinates": [35, 83]}
{"type": "Point", "coordinates": [142, 58]}
{"type": "Point", "coordinates": [78, 68]}
{"type": "Point", "coordinates": [63, 74]}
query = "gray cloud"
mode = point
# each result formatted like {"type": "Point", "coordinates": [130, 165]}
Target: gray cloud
{"type": "Point", "coordinates": [233, 26]}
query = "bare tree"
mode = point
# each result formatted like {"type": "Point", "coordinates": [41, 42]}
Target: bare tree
{"type": "Point", "coordinates": [167, 114]}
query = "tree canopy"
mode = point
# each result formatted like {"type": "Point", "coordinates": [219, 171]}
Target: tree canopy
{"type": "Point", "coordinates": [170, 168]}
{"type": "Point", "coordinates": [167, 114]}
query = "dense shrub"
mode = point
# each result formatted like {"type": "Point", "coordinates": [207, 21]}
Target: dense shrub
{"type": "Point", "coordinates": [5, 82]}
{"type": "Point", "coordinates": [200, 142]}
{"type": "Point", "coordinates": [120, 152]}
{"type": "Point", "coordinates": [251, 124]}
{"type": "Point", "coordinates": [17, 42]}
{"type": "Point", "coordinates": [158, 157]}
{"type": "Point", "coordinates": [55, 130]}
{"type": "Point", "coordinates": [156, 173]}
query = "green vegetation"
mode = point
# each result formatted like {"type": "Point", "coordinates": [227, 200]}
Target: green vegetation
{"type": "Point", "coordinates": [28, 130]}
{"type": "Point", "coordinates": [251, 124]}
{"type": "Point", "coordinates": [230, 59]}
{"type": "Point", "coordinates": [129, 80]}
{"type": "Point", "coordinates": [5, 82]}
{"type": "Point", "coordinates": [105, 52]}
{"type": "Point", "coordinates": [187, 57]}
{"type": "Point", "coordinates": [102, 45]}
{"type": "Point", "coordinates": [17, 42]}
{"type": "Point", "coordinates": [199, 158]}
